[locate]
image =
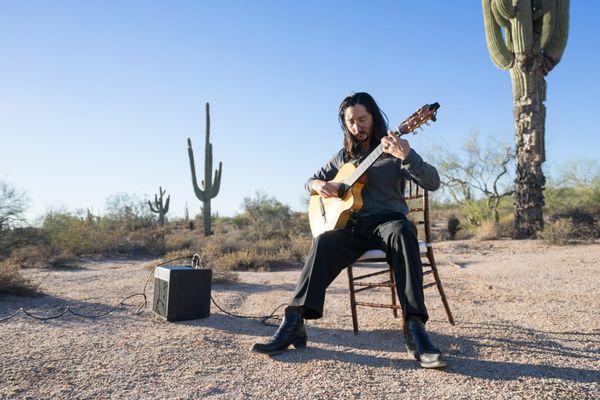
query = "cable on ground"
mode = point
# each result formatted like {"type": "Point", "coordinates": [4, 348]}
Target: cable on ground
{"type": "Point", "coordinates": [196, 261]}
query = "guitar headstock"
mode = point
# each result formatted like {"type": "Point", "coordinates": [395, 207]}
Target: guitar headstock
{"type": "Point", "coordinates": [423, 115]}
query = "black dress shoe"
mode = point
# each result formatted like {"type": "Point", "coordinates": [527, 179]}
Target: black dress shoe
{"type": "Point", "coordinates": [420, 347]}
{"type": "Point", "coordinates": [290, 332]}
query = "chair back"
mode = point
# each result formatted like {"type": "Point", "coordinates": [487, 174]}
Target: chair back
{"type": "Point", "coordinates": [417, 200]}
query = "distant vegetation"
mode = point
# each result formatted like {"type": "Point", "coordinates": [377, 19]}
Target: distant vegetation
{"type": "Point", "coordinates": [572, 209]}
{"type": "Point", "coordinates": [266, 234]}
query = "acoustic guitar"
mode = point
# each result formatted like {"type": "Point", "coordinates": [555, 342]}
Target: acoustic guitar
{"type": "Point", "coordinates": [325, 214]}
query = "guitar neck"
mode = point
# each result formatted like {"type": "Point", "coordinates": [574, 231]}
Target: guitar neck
{"type": "Point", "coordinates": [367, 162]}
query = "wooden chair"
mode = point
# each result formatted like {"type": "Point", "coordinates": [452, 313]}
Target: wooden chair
{"type": "Point", "coordinates": [419, 215]}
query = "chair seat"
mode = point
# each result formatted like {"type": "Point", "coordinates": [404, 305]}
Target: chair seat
{"type": "Point", "coordinates": [376, 277]}
{"type": "Point", "coordinates": [379, 255]}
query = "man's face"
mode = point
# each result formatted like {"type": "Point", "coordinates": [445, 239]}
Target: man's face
{"type": "Point", "coordinates": [359, 122]}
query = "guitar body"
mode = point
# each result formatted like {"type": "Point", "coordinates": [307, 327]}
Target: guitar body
{"type": "Point", "coordinates": [325, 214]}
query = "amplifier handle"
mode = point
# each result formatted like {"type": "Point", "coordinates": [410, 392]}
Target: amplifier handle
{"type": "Point", "coordinates": [197, 261]}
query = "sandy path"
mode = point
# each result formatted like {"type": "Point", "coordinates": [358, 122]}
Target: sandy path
{"type": "Point", "coordinates": [528, 326]}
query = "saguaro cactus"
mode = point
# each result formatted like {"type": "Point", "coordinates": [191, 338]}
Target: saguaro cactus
{"type": "Point", "coordinates": [210, 187]}
{"type": "Point", "coordinates": [160, 208]}
{"type": "Point", "coordinates": [535, 36]}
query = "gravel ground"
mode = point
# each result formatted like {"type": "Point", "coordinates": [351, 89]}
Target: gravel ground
{"type": "Point", "coordinates": [527, 318]}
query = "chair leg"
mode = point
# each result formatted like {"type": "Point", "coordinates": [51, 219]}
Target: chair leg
{"type": "Point", "coordinates": [438, 282]}
{"type": "Point", "coordinates": [394, 310]}
{"type": "Point", "coordinates": [352, 300]}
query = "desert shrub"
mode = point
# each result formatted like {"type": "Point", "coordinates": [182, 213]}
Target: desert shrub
{"type": "Point", "coordinates": [40, 256]}
{"type": "Point", "coordinates": [128, 212]}
{"type": "Point", "coordinates": [476, 177]}
{"type": "Point", "coordinates": [299, 245]}
{"type": "Point", "coordinates": [585, 224]}
{"type": "Point", "coordinates": [488, 230]}
{"type": "Point", "coordinates": [506, 226]}
{"type": "Point", "coordinates": [299, 225]}
{"type": "Point", "coordinates": [142, 242]}
{"type": "Point", "coordinates": [13, 205]}
{"type": "Point", "coordinates": [12, 281]}
{"type": "Point", "coordinates": [558, 232]}
{"type": "Point", "coordinates": [15, 238]}
{"type": "Point", "coordinates": [575, 196]}
{"type": "Point", "coordinates": [476, 212]}
{"type": "Point", "coordinates": [267, 216]}
{"type": "Point", "coordinates": [179, 240]}
{"type": "Point", "coordinates": [68, 233]}
{"type": "Point", "coordinates": [240, 221]}
{"type": "Point", "coordinates": [242, 260]}
{"type": "Point", "coordinates": [575, 193]}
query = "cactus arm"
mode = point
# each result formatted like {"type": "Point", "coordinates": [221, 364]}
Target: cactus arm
{"type": "Point", "coordinates": [151, 207]}
{"type": "Point", "coordinates": [500, 19]}
{"type": "Point", "coordinates": [555, 31]}
{"type": "Point", "coordinates": [217, 181]}
{"type": "Point", "coordinates": [166, 208]}
{"type": "Point", "coordinates": [499, 52]}
{"type": "Point", "coordinates": [506, 8]}
{"type": "Point", "coordinates": [522, 33]}
{"type": "Point", "coordinates": [199, 193]}
{"type": "Point", "coordinates": [208, 169]}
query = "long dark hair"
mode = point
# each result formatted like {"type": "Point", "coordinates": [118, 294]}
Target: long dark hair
{"type": "Point", "coordinates": [380, 123]}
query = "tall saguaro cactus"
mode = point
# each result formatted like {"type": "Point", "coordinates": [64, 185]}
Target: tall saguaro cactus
{"type": "Point", "coordinates": [158, 207]}
{"type": "Point", "coordinates": [210, 187]}
{"type": "Point", "coordinates": [535, 36]}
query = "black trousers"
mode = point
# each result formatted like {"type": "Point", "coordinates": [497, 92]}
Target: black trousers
{"type": "Point", "coordinates": [334, 250]}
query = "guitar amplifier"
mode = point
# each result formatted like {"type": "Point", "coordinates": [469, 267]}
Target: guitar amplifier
{"type": "Point", "coordinates": [181, 292]}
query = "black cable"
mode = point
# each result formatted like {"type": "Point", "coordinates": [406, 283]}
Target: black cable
{"type": "Point", "coordinates": [196, 261]}
{"type": "Point", "coordinates": [263, 319]}
{"type": "Point", "coordinates": [69, 309]}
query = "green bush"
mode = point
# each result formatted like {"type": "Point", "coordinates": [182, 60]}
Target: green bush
{"type": "Point", "coordinates": [267, 216]}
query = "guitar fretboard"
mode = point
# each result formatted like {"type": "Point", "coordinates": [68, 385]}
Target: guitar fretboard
{"type": "Point", "coordinates": [364, 165]}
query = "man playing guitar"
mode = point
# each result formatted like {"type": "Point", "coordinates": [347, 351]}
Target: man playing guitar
{"type": "Point", "coordinates": [379, 222]}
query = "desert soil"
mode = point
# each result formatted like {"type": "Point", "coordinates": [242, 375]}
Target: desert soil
{"type": "Point", "coordinates": [527, 326]}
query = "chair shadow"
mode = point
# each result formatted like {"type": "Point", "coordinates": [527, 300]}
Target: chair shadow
{"type": "Point", "coordinates": [462, 351]}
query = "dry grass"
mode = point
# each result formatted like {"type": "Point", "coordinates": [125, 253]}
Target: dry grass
{"type": "Point", "coordinates": [12, 282]}
{"type": "Point", "coordinates": [236, 250]}
{"type": "Point", "coordinates": [41, 256]}
{"type": "Point", "coordinates": [488, 230]}
{"type": "Point", "coordinates": [558, 232]}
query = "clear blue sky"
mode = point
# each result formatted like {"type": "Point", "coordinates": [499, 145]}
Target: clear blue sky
{"type": "Point", "coordinates": [99, 97]}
